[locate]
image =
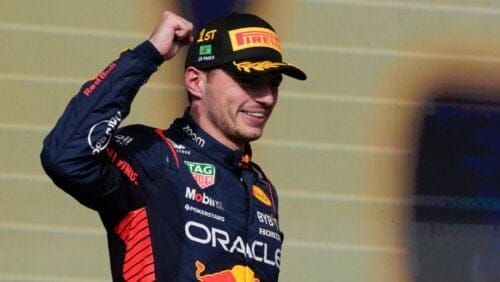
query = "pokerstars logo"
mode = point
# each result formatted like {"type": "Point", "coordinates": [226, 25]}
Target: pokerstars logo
{"type": "Point", "coordinates": [202, 198]}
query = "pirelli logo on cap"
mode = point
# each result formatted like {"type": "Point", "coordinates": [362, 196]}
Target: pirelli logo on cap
{"type": "Point", "coordinates": [250, 37]}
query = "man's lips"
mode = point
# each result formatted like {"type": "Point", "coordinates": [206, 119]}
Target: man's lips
{"type": "Point", "coordinates": [254, 114]}
{"type": "Point", "coordinates": [255, 118]}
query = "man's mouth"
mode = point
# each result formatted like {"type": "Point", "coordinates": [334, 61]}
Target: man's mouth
{"type": "Point", "coordinates": [254, 114]}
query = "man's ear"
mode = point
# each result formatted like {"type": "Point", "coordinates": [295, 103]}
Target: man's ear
{"type": "Point", "coordinates": [194, 81]}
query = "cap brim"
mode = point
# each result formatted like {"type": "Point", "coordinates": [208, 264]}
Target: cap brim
{"type": "Point", "coordinates": [264, 67]}
{"type": "Point", "coordinates": [294, 72]}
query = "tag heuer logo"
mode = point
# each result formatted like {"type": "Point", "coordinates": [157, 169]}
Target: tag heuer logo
{"type": "Point", "coordinates": [203, 174]}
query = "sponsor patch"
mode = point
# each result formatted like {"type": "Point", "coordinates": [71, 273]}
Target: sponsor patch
{"type": "Point", "coordinates": [123, 166]}
{"type": "Point", "coordinates": [251, 37]}
{"type": "Point", "coordinates": [267, 219]}
{"type": "Point", "coordinates": [192, 134]}
{"type": "Point", "coordinates": [98, 79]}
{"type": "Point", "coordinates": [205, 213]}
{"type": "Point", "coordinates": [260, 195]}
{"type": "Point", "coordinates": [270, 234]}
{"type": "Point", "coordinates": [236, 273]}
{"type": "Point", "coordinates": [123, 140]}
{"type": "Point", "coordinates": [100, 133]}
{"type": "Point", "coordinates": [205, 50]}
{"type": "Point", "coordinates": [179, 148]}
{"type": "Point", "coordinates": [265, 252]}
{"type": "Point", "coordinates": [203, 198]}
{"type": "Point", "coordinates": [203, 174]}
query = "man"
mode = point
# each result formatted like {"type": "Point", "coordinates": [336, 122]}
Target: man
{"type": "Point", "coordinates": [186, 203]}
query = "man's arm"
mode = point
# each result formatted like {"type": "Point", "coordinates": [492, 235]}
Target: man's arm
{"type": "Point", "coordinates": [74, 152]}
{"type": "Point", "coordinates": [171, 34]}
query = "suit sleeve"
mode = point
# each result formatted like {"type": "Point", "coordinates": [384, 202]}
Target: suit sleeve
{"type": "Point", "coordinates": [74, 153]}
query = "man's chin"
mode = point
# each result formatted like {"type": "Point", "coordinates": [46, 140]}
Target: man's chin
{"type": "Point", "coordinates": [250, 136]}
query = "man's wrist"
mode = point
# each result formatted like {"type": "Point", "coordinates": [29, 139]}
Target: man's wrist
{"type": "Point", "coordinates": [147, 51]}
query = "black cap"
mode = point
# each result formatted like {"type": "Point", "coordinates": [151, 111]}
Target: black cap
{"type": "Point", "coordinates": [241, 43]}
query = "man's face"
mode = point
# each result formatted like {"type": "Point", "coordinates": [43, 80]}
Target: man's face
{"type": "Point", "coordinates": [237, 108]}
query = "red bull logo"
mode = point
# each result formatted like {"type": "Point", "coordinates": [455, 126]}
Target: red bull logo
{"type": "Point", "coordinates": [238, 273]}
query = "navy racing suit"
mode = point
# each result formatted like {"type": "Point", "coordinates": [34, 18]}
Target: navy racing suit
{"type": "Point", "coordinates": [176, 204]}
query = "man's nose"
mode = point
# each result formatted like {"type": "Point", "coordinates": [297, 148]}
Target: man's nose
{"type": "Point", "coordinates": [266, 95]}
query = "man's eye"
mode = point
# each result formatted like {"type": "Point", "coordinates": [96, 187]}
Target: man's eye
{"type": "Point", "coordinates": [275, 83]}
{"type": "Point", "coordinates": [246, 81]}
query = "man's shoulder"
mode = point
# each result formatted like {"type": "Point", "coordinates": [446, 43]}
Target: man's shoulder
{"type": "Point", "coordinates": [136, 136]}
{"type": "Point", "coordinates": [142, 146]}
{"type": "Point", "coordinates": [137, 130]}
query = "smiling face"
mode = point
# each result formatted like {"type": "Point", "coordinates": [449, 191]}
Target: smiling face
{"type": "Point", "coordinates": [234, 110]}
